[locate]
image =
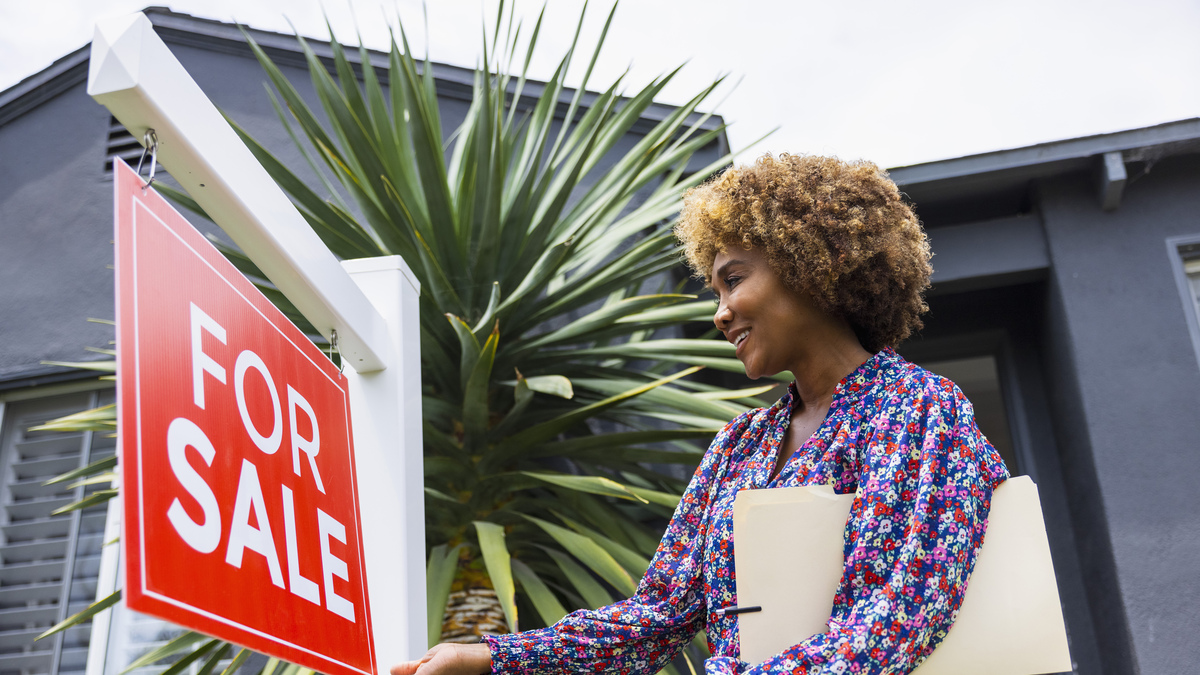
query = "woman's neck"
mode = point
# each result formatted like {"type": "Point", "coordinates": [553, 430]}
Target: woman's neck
{"type": "Point", "coordinates": [825, 363]}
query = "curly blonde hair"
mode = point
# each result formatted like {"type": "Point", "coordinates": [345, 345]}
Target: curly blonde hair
{"type": "Point", "coordinates": [839, 231]}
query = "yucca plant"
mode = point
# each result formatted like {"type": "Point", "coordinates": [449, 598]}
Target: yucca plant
{"type": "Point", "coordinates": [551, 375]}
{"type": "Point", "coordinates": [535, 255]}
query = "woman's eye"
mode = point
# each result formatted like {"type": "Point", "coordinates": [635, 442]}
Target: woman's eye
{"type": "Point", "coordinates": [732, 281]}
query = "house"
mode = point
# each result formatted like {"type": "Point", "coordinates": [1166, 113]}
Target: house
{"type": "Point", "coordinates": [1066, 286]}
{"type": "Point", "coordinates": [1065, 303]}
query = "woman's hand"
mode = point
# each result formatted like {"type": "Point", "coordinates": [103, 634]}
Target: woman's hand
{"type": "Point", "coordinates": [449, 659]}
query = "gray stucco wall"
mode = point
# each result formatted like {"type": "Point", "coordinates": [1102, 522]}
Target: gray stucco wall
{"type": "Point", "coordinates": [1131, 413]}
{"type": "Point", "coordinates": [55, 234]}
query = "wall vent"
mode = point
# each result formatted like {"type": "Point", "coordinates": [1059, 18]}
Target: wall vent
{"type": "Point", "coordinates": [120, 143]}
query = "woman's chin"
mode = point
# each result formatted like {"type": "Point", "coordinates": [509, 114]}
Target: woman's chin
{"type": "Point", "coordinates": [755, 372]}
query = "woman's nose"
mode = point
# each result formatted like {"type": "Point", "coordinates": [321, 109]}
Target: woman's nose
{"type": "Point", "coordinates": [722, 316]}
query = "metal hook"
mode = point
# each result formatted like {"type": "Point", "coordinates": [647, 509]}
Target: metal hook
{"type": "Point", "coordinates": [150, 145]}
{"type": "Point", "coordinates": [333, 347]}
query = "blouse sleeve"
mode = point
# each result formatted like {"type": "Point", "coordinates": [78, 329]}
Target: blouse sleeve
{"type": "Point", "coordinates": [915, 527]}
{"type": "Point", "coordinates": [643, 633]}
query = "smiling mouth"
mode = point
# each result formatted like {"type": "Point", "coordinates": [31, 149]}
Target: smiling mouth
{"type": "Point", "coordinates": [741, 338]}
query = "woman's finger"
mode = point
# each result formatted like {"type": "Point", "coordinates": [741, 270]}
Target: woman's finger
{"type": "Point", "coordinates": [410, 667]}
{"type": "Point", "coordinates": [405, 668]}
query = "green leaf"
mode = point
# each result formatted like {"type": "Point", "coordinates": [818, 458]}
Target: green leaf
{"type": "Point", "coordinates": [547, 430]}
{"type": "Point", "coordinates": [103, 418]}
{"type": "Point", "coordinates": [469, 346]}
{"type": "Point", "coordinates": [108, 477]}
{"type": "Point", "coordinates": [237, 661]}
{"type": "Point", "coordinates": [601, 318]}
{"type": "Point", "coordinates": [489, 314]}
{"type": "Point", "coordinates": [184, 664]}
{"type": "Point", "coordinates": [216, 657]}
{"type": "Point", "coordinates": [97, 497]}
{"type": "Point", "coordinates": [543, 599]}
{"type": "Point", "coordinates": [270, 667]}
{"type": "Point", "coordinates": [701, 310]}
{"type": "Point", "coordinates": [633, 562]}
{"type": "Point", "coordinates": [591, 554]}
{"type": "Point", "coordinates": [555, 385]}
{"type": "Point", "coordinates": [666, 499]}
{"type": "Point", "coordinates": [181, 198]}
{"type": "Point", "coordinates": [669, 348]}
{"type": "Point", "coordinates": [179, 643]}
{"type": "Point", "coordinates": [475, 397]}
{"type": "Point", "coordinates": [98, 466]}
{"type": "Point", "coordinates": [499, 568]}
{"type": "Point", "coordinates": [731, 394]}
{"type": "Point", "coordinates": [443, 562]}
{"type": "Point", "coordinates": [598, 485]}
{"type": "Point", "coordinates": [101, 366]}
{"type": "Point", "coordinates": [290, 669]}
{"type": "Point", "coordinates": [522, 397]}
{"type": "Point", "coordinates": [438, 494]}
{"type": "Point", "coordinates": [592, 592]}
{"type": "Point", "coordinates": [664, 398]}
{"type": "Point", "coordinates": [83, 615]}
{"type": "Point", "coordinates": [620, 439]}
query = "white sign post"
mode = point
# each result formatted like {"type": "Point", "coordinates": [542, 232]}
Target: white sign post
{"type": "Point", "coordinates": [371, 303]}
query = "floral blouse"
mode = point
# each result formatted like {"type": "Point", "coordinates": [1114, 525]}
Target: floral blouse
{"type": "Point", "coordinates": [906, 441]}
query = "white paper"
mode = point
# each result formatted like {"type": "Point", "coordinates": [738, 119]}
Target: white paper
{"type": "Point", "coordinates": [789, 544]}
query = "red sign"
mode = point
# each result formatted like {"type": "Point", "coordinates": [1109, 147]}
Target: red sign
{"type": "Point", "coordinates": [241, 504]}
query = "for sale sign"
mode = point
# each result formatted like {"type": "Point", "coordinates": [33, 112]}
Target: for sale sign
{"type": "Point", "coordinates": [241, 511]}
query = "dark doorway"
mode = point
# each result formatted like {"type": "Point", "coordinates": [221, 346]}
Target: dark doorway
{"type": "Point", "coordinates": [991, 343]}
{"type": "Point", "coordinates": [979, 379]}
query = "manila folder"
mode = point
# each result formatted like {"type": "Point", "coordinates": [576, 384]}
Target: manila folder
{"type": "Point", "coordinates": [788, 545]}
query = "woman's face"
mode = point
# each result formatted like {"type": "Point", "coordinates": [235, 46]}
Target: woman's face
{"type": "Point", "coordinates": [767, 321]}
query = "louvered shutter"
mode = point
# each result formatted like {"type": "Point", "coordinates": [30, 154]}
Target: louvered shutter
{"type": "Point", "coordinates": [48, 563]}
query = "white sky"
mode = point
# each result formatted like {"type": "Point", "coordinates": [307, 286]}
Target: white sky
{"type": "Point", "coordinates": [897, 83]}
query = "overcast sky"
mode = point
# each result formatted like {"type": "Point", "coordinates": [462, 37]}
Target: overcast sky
{"type": "Point", "coordinates": [895, 82]}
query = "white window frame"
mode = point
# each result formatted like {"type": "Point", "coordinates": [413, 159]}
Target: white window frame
{"type": "Point", "coordinates": [1176, 255]}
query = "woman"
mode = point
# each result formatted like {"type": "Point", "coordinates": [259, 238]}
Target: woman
{"type": "Point", "coordinates": [818, 267]}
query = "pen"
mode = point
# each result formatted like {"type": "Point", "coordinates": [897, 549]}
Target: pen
{"type": "Point", "coordinates": [726, 611]}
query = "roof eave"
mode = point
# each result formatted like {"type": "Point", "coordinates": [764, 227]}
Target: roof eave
{"type": "Point", "coordinates": [1056, 157]}
{"type": "Point", "coordinates": [44, 85]}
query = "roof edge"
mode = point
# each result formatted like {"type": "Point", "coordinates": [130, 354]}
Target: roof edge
{"type": "Point", "coordinates": [44, 85]}
{"type": "Point", "coordinates": [40, 376]}
{"type": "Point", "coordinates": [1135, 144]}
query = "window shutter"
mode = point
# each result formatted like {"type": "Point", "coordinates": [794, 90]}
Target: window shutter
{"type": "Point", "coordinates": [48, 563]}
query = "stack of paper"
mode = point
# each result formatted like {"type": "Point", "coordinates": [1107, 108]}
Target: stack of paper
{"type": "Point", "coordinates": [788, 546]}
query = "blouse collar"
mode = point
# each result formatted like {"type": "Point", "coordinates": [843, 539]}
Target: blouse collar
{"type": "Point", "coordinates": [879, 369]}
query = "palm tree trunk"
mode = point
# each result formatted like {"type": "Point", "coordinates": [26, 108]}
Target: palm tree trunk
{"type": "Point", "coordinates": [474, 609]}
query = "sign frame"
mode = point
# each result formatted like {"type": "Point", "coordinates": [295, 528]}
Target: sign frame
{"type": "Point", "coordinates": [371, 303]}
{"type": "Point", "coordinates": [134, 201]}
